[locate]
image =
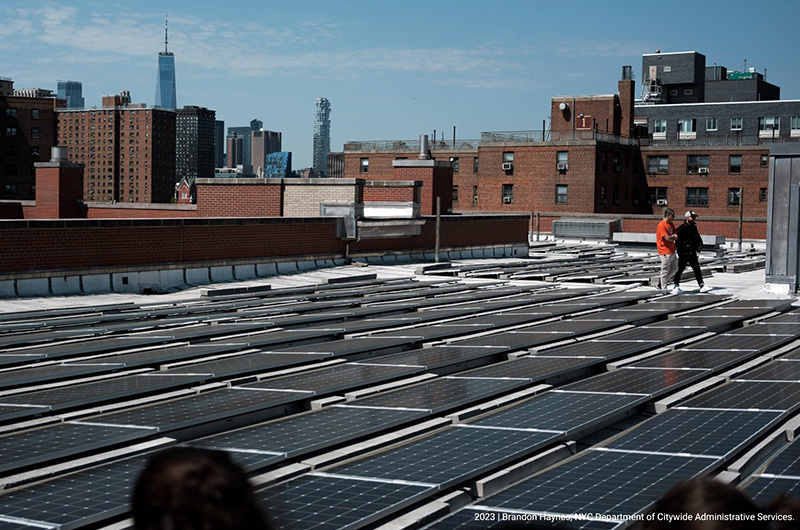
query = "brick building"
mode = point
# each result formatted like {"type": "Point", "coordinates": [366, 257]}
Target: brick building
{"type": "Point", "coordinates": [128, 151]}
{"type": "Point", "coordinates": [27, 132]}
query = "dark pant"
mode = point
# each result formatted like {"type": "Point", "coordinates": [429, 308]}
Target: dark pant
{"type": "Point", "coordinates": [691, 259]}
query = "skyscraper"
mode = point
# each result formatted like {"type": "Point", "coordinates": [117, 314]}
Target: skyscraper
{"type": "Point", "coordinates": [322, 135]}
{"type": "Point", "coordinates": [194, 147]}
{"type": "Point", "coordinates": [165, 83]}
{"type": "Point", "coordinates": [219, 143]}
{"type": "Point", "coordinates": [72, 91]}
{"type": "Point", "coordinates": [245, 134]}
{"type": "Point", "coordinates": [263, 143]}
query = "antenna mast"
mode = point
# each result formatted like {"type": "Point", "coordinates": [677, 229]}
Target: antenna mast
{"type": "Point", "coordinates": [166, 34]}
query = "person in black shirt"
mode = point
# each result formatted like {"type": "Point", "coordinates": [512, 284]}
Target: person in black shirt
{"type": "Point", "coordinates": [688, 246]}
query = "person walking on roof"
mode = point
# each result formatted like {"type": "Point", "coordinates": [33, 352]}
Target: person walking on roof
{"type": "Point", "coordinates": [689, 245]}
{"type": "Point", "coordinates": [666, 235]}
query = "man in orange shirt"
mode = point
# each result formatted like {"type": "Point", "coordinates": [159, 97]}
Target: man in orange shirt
{"type": "Point", "coordinates": [666, 235]}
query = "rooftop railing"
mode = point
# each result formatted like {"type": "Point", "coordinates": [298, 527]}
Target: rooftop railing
{"type": "Point", "coordinates": [718, 140]}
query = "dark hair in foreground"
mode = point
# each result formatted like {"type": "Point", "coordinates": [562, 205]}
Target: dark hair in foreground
{"type": "Point", "coordinates": [184, 488]}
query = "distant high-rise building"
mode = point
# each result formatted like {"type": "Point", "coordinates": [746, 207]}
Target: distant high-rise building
{"type": "Point", "coordinates": [335, 165]}
{"type": "Point", "coordinates": [263, 143]}
{"type": "Point", "coordinates": [234, 149]}
{"type": "Point", "coordinates": [278, 165]}
{"type": "Point", "coordinates": [322, 135]}
{"type": "Point", "coordinates": [6, 86]}
{"type": "Point", "coordinates": [128, 151]}
{"type": "Point", "coordinates": [245, 134]}
{"type": "Point", "coordinates": [219, 143]}
{"type": "Point", "coordinates": [194, 143]}
{"type": "Point", "coordinates": [72, 91]}
{"type": "Point", "coordinates": [165, 83]}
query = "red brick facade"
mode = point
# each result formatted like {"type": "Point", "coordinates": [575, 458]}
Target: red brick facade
{"type": "Point", "coordinates": [242, 198]}
{"type": "Point", "coordinates": [59, 190]}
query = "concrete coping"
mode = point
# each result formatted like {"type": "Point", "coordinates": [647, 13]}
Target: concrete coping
{"type": "Point", "coordinates": [421, 163]}
{"type": "Point", "coordinates": [324, 182]}
{"type": "Point", "coordinates": [140, 206]}
{"type": "Point", "coordinates": [393, 183]}
{"type": "Point", "coordinates": [157, 221]}
{"type": "Point", "coordinates": [21, 203]}
{"type": "Point", "coordinates": [238, 181]}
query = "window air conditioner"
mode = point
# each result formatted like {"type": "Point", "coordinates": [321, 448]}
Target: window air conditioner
{"type": "Point", "coordinates": [661, 202]}
{"type": "Point", "coordinates": [508, 166]}
{"type": "Point", "coordinates": [562, 166]}
{"type": "Point", "coordinates": [703, 170]}
{"type": "Point", "coordinates": [507, 200]}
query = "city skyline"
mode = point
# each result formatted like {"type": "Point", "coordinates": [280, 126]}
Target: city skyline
{"type": "Point", "coordinates": [465, 64]}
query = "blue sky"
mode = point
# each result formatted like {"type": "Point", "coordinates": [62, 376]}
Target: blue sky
{"type": "Point", "coordinates": [391, 70]}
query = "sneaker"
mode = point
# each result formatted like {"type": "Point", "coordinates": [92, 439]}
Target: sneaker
{"type": "Point", "coordinates": [677, 290]}
{"type": "Point", "coordinates": [705, 288]}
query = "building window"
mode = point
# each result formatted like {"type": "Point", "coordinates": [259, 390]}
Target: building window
{"type": "Point", "coordinates": [673, 92]}
{"type": "Point", "coordinates": [795, 126]}
{"type": "Point", "coordinates": [562, 160]}
{"type": "Point", "coordinates": [769, 123]}
{"type": "Point", "coordinates": [561, 194]}
{"type": "Point", "coordinates": [363, 165]}
{"type": "Point", "coordinates": [34, 150]}
{"type": "Point", "coordinates": [733, 196]}
{"type": "Point", "coordinates": [764, 160]}
{"type": "Point", "coordinates": [455, 193]}
{"type": "Point", "coordinates": [688, 92]}
{"type": "Point", "coordinates": [11, 131]}
{"type": "Point", "coordinates": [615, 193]}
{"type": "Point", "coordinates": [711, 124]}
{"type": "Point", "coordinates": [660, 126]}
{"type": "Point", "coordinates": [475, 164]}
{"type": "Point", "coordinates": [696, 163]}
{"type": "Point", "coordinates": [454, 163]}
{"type": "Point", "coordinates": [35, 132]}
{"type": "Point", "coordinates": [686, 125]}
{"type": "Point", "coordinates": [508, 193]}
{"type": "Point", "coordinates": [658, 164]}
{"type": "Point", "coordinates": [11, 188]}
{"type": "Point", "coordinates": [735, 165]}
{"type": "Point", "coordinates": [34, 114]}
{"type": "Point", "coordinates": [603, 194]}
{"type": "Point", "coordinates": [762, 194]}
{"type": "Point", "coordinates": [398, 158]}
{"type": "Point", "coordinates": [696, 196]}
{"type": "Point", "coordinates": [11, 112]}
{"type": "Point", "coordinates": [657, 194]}
{"type": "Point", "coordinates": [736, 124]}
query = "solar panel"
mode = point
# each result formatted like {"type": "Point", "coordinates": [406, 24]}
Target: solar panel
{"type": "Point", "coordinates": [740, 342]}
{"type": "Point", "coordinates": [84, 347]}
{"type": "Point", "coordinates": [789, 318]}
{"type": "Point", "coordinates": [717, 433]}
{"type": "Point", "coordinates": [9, 360]}
{"type": "Point", "coordinates": [597, 348]}
{"type": "Point", "coordinates": [575, 327]}
{"type": "Point", "coordinates": [335, 378]}
{"type": "Point", "coordinates": [14, 412]}
{"type": "Point", "coordinates": [41, 374]}
{"type": "Point", "coordinates": [710, 359]}
{"type": "Point", "coordinates": [449, 457]}
{"type": "Point", "coordinates": [200, 408]}
{"type": "Point", "coordinates": [727, 310]}
{"type": "Point", "coordinates": [533, 367]}
{"type": "Point", "coordinates": [764, 490]}
{"type": "Point", "coordinates": [441, 331]}
{"type": "Point", "coordinates": [561, 411]}
{"type": "Point", "coordinates": [285, 338]}
{"type": "Point", "coordinates": [442, 394]}
{"type": "Point", "coordinates": [100, 391]}
{"type": "Point", "coordinates": [166, 354]}
{"type": "Point", "coordinates": [315, 501]}
{"type": "Point", "coordinates": [601, 482]}
{"type": "Point", "coordinates": [473, 518]}
{"type": "Point", "coordinates": [787, 462]}
{"type": "Point", "coordinates": [516, 340]}
{"type": "Point", "coordinates": [644, 381]}
{"type": "Point", "coordinates": [766, 329]}
{"type": "Point", "coordinates": [652, 333]}
{"type": "Point", "coordinates": [351, 346]}
{"type": "Point", "coordinates": [321, 429]}
{"type": "Point", "coordinates": [631, 316]}
{"type": "Point", "coordinates": [28, 448]}
{"type": "Point", "coordinates": [247, 364]}
{"type": "Point", "coordinates": [76, 499]}
{"type": "Point", "coordinates": [771, 304]}
{"type": "Point", "coordinates": [439, 356]}
{"type": "Point", "coordinates": [777, 371]}
{"type": "Point", "coordinates": [749, 395]}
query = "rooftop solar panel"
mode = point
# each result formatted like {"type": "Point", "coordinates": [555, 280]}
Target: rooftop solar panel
{"type": "Point", "coordinates": [740, 342]}
{"type": "Point", "coordinates": [710, 359]}
{"type": "Point", "coordinates": [561, 411]}
{"type": "Point", "coordinates": [651, 333]}
{"type": "Point", "coordinates": [717, 433]}
{"type": "Point", "coordinates": [78, 499]}
{"type": "Point", "coordinates": [601, 482]}
{"type": "Point", "coordinates": [643, 381]}
{"type": "Point", "coordinates": [99, 391]}
{"type": "Point", "coordinates": [788, 318]}
{"type": "Point", "coordinates": [780, 305]}
{"type": "Point", "coordinates": [769, 329]}
{"type": "Point", "coordinates": [441, 331]}
{"type": "Point", "coordinates": [165, 354]}
{"type": "Point", "coordinates": [787, 462]}
{"type": "Point", "coordinates": [198, 409]}
{"type": "Point", "coordinates": [42, 374]}
{"type": "Point", "coordinates": [442, 394]}
{"type": "Point", "coordinates": [313, 431]}
{"type": "Point", "coordinates": [252, 462]}
{"type": "Point", "coordinates": [84, 347]}
{"type": "Point", "coordinates": [324, 502]}
{"type": "Point", "coordinates": [777, 371]}
{"type": "Point", "coordinates": [34, 447]}
{"type": "Point", "coordinates": [13, 359]}
{"type": "Point", "coordinates": [351, 346]}
{"type": "Point", "coordinates": [533, 367]}
{"type": "Point", "coordinates": [14, 412]}
{"type": "Point", "coordinates": [336, 378]}
{"type": "Point", "coordinates": [576, 327]}
{"type": "Point", "coordinates": [596, 348]}
{"type": "Point", "coordinates": [764, 490]}
{"type": "Point", "coordinates": [749, 395]}
{"type": "Point", "coordinates": [439, 356]}
{"type": "Point", "coordinates": [474, 518]}
{"type": "Point", "coordinates": [516, 340]}
{"type": "Point", "coordinates": [448, 457]}
{"type": "Point", "coordinates": [247, 364]}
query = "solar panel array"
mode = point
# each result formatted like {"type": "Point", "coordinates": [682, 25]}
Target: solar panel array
{"type": "Point", "coordinates": [240, 347]}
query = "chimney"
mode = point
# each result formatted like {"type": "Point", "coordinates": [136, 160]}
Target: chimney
{"type": "Point", "coordinates": [423, 147]}
{"type": "Point", "coordinates": [58, 154]}
{"type": "Point", "coordinates": [626, 91]}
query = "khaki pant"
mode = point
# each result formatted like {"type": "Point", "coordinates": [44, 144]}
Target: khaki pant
{"type": "Point", "coordinates": [669, 265]}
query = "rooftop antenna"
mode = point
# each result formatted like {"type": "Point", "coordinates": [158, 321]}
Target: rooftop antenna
{"type": "Point", "coordinates": [166, 33]}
